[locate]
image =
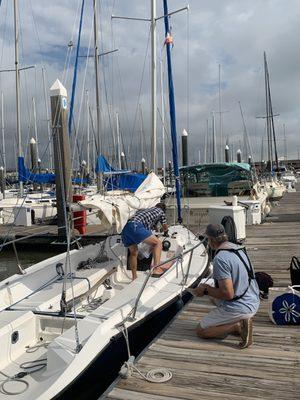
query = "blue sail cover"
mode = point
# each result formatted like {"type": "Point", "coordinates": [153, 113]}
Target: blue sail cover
{"type": "Point", "coordinates": [118, 179]}
{"type": "Point", "coordinates": [115, 179]}
{"type": "Point", "coordinates": [128, 181]}
{"type": "Point", "coordinates": [103, 166]}
{"type": "Point", "coordinates": [30, 177]}
{"type": "Point", "coordinates": [26, 176]}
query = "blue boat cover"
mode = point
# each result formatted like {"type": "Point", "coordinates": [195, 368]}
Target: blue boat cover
{"type": "Point", "coordinates": [115, 179]}
{"type": "Point", "coordinates": [129, 181]}
{"type": "Point", "coordinates": [26, 176]}
{"type": "Point", "coordinates": [118, 179]}
{"type": "Point", "coordinates": [30, 177]}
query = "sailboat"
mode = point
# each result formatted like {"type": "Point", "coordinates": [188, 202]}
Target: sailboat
{"type": "Point", "coordinates": [70, 321]}
{"type": "Point", "coordinates": [271, 181]}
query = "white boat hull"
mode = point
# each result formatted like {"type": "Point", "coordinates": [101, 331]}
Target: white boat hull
{"type": "Point", "coordinates": [39, 309]}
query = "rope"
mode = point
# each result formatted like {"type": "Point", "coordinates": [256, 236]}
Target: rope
{"type": "Point", "coordinates": [27, 366]}
{"type": "Point", "coordinates": [157, 375]}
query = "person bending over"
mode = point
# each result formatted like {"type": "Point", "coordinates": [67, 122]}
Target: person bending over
{"type": "Point", "coordinates": [139, 229]}
{"type": "Point", "coordinates": [236, 292]}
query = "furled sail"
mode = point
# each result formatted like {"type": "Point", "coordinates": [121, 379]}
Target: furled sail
{"type": "Point", "coordinates": [117, 209]}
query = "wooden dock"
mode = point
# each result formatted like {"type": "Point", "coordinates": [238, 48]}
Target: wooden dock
{"type": "Point", "coordinates": [203, 369]}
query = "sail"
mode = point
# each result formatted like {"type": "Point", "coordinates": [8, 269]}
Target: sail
{"type": "Point", "coordinates": [117, 209]}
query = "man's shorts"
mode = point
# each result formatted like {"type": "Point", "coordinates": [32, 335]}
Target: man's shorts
{"type": "Point", "coordinates": [134, 233]}
{"type": "Point", "coordinates": [219, 316]}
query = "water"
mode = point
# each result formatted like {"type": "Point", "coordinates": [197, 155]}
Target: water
{"type": "Point", "coordinates": [8, 262]}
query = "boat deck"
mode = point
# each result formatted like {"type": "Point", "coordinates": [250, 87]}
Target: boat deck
{"type": "Point", "coordinates": [202, 369]}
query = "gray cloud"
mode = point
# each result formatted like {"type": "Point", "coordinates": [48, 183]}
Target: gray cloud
{"type": "Point", "coordinates": [231, 33]}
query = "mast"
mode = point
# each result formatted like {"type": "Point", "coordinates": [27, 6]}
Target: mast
{"type": "Point", "coordinates": [2, 131]}
{"type": "Point", "coordinates": [75, 71]}
{"type": "Point", "coordinates": [88, 132]}
{"type": "Point", "coordinates": [213, 138]}
{"type": "Point", "coordinates": [153, 83]}
{"type": "Point", "coordinates": [205, 142]}
{"type": "Point", "coordinates": [270, 117]}
{"type": "Point", "coordinates": [35, 127]}
{"type": "Point", "coordinates": [172, 112]}
{"type": "Point", "coordinates": [220, 117]}
{"type": "Point", "coordinates": [48, 121]}
{"type": "Point", "coordinates": [247, 147]}
{"type": "Point", "coordinates": [270, 155]}
{"type": "Point", "coordinates": [118, 141]}
{"type": "Point", "coordinates": [163, 121]}
{"type": "Point", "coordinates": [97, 85]}
{"type": "Point", "coordinates": [285, 144]}
{"type": "Point", "coordinates": [142, 132]}
{"type": "Point", "coordinates": [17, 34]}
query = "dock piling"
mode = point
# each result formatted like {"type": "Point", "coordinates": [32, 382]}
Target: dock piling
{"type": "Point", "coordinates": [62, 158]}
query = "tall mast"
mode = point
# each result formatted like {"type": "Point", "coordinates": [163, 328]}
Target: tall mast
{"type": "Point", "coordinates": [247, 148]}
{"type": "Point", "coordinates": [142, 132]}
{"type": "Point", "coordinates": [48, 121]}
{"type": "Point", "coordinates": [205, 142]}
{"type": "Point", "coordinates": [153, 83]}
{"type": "Point", "coordinates": [285, 144]}
{"type": "Point", "coordinates": [172, 112]}
{"type": "Point", "coordinates": [220, 117]}
{"type": "Point", "coordinates": [118, 140]}
{"type": "Point", "coordinates": [96, 56]}
{"type": "Point", "coordinates": [88, 132]}
{"type": "Point", "coordinates": [213, 138]}
{"type": "Point", "coordinates": [268, 115]}
{"type": "Point", "coordinates": [163, 121]}
{"type": "Point", "coordinates": [16, 27]}
{"type": "Point", "coordinates": [2, 130]}
{"type": "Point", "coordinates": [35, 126]}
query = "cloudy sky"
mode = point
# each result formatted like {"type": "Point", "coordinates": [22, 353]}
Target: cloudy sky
{"type": "Point", "coordinates": [230, 33]}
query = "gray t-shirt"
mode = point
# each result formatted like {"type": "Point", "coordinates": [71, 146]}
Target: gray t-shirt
{"type": "Point", "coordinates": [227, 265]}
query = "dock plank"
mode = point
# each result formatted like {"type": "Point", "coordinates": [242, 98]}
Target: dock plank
{"type": "Point", "coordinates": [216, 369]}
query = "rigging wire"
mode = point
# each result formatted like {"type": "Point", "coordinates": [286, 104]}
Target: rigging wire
{"type": "Point", "coordinates": [140, 88]}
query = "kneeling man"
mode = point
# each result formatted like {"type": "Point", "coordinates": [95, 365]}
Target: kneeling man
{"type": "Point", "coordinates": [236, 292]}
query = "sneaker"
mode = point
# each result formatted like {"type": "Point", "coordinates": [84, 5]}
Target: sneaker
{"type": "Point", "coordinates": [246, 333]}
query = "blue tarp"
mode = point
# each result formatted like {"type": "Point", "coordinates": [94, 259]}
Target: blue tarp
{"type": "Point", "coordinates": [115, 179]}
{"type": "Point", "coordinates": [26, 176]}
{"type": "Point", "coordinates": [30, 177]}
{"type": "Point", "coordinates": [129, 181]}
{"type": "Point", "coordinates": [118, 179]}
{"type": "Point", "coordinates": [103, 166]}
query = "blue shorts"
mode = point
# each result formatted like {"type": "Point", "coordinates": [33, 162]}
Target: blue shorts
{"type": "Point", "coordinates": [134, 233]}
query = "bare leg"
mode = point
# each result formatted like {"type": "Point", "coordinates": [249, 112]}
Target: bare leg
{"type": "Point", "coordinates": [214, 332]}
{"type": "Point", "coordinates": [133, 253]}
{"type": "Point", "coordinates": [156, 248]}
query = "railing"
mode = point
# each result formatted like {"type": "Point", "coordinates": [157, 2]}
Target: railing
{"type": "Point", "coordinates": [178, 258]}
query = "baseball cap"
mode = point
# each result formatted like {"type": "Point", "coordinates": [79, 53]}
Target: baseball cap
{"type": "Point", "coordinates": [214, 230]}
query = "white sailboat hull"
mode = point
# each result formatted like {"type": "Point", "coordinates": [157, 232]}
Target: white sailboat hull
{"type": "Point", "coordinates": [38, 310]}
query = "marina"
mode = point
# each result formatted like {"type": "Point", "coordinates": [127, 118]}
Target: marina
{"type": "Point", "coordinates": [217, 369]}
{"type": "Point", "coordinates": [143, 149]}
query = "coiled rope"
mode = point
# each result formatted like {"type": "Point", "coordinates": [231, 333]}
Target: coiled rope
{"type": "Point", "coordinates": [155, 375]}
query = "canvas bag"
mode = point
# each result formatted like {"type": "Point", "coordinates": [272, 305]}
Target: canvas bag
{"type": "Point", "coordinates": [284, 305]}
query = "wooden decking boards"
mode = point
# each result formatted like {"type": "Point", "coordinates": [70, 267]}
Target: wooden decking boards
{"type": "Point", "coordinates": [203, 369]}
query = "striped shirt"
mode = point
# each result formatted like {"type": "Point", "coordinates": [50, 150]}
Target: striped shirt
{"type": "Point", "coordinates": [149, 217]}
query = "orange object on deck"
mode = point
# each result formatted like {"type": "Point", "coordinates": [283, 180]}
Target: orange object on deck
{"type": "Point", "coordinates": [79, 216]}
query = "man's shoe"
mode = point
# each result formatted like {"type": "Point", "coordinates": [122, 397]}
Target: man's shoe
{"type": "Point", "coordinates": [246, 333]}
